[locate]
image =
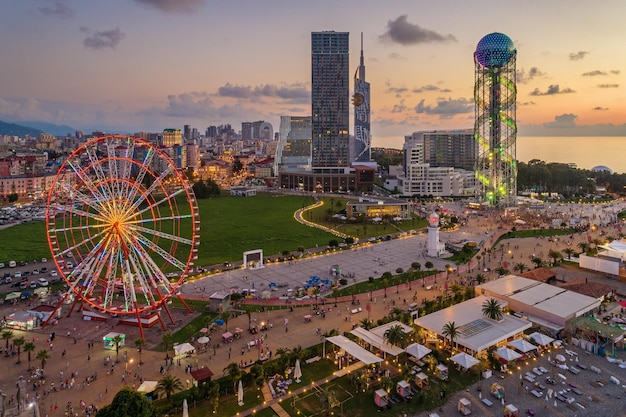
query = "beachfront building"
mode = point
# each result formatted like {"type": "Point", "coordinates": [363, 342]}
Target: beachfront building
{"type": "Point", "coordinates": [476, 333]}
{"type": "Point", "coordinates": [546, 306]}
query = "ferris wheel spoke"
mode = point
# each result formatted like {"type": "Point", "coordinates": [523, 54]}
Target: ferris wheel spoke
{"type": "Point", "coordinates": [162, 252]}
{"type": "Point", "coordinates": [163, 235]}
{"type": "Point", "coordinates": [143, 170]}
{"type": "Point", "coordinates": [83, 243]}
{"type": "Point", "coordinates": [158, 203]}
{"type": "Point", "coordinates": [143, 277]}
{"type": "Point", "coordinates": [75, 228]}
{"type": "Point", "coordinates": [81, 197]}
{"type": "Point", "coordinates": [155, 275]}
{"type": "Point", "coordinates": [158, 219]}
{"type": "Point", "coordinates": [86, 180]}
{"type": "Point", "coordinates": [149, 190]}
{"type": "Point", "coordinates": [109, 278]}
{"type": "Point", "coordinates": [96, 166]}
{"type": "Point", "coordinates": [113, 170]}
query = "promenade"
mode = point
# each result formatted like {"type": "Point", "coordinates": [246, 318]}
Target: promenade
{"type": "Point", "coordinates": [71, 352]}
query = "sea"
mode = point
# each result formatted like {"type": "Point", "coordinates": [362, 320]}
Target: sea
{"type": "Point", "coordinates": [585, 152]}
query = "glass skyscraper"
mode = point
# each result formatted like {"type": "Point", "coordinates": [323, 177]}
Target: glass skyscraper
{"type": "Point", "coordinates": [330, 100]}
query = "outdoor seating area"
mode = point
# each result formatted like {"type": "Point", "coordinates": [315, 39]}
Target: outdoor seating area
{"type": "Point", "coordinates": [278, 385]}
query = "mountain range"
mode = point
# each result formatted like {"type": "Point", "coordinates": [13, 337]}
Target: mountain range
{"type": "Point", "coordinates": [33, 128]}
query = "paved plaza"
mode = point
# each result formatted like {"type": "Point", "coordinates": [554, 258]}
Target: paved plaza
{"type": "Point", "coordinates": [71, 352]}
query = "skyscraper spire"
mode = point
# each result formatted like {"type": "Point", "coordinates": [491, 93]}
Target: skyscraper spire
{"type": "Point", "coordinates": [362, 62]}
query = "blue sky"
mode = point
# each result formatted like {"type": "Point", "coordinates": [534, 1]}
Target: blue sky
{"type": "Point", "coordinates": [146, 65]}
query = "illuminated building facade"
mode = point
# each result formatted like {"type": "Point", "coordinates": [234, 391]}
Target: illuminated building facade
{"type": "Point", "coordinates": [361, 101]}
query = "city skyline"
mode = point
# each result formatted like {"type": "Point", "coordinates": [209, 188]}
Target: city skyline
{"type": "Point", "coordinates": [133, 65]}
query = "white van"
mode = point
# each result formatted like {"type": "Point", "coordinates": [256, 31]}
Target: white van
{"type": "Point", "coordinates": [12, 264]}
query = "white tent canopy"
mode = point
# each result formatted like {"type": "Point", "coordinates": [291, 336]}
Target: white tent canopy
{"type": "Point", "coordinates": [417, 350]}
{"type": "Point", "coordinates": [184, 348]}
{"type": "Point", "coordinates": [464, 360]}
{"type": "Point", "coordinates": [522, 345]}
{"type": "Point", "coordinates": [376, 341]}
{"type": "Point", "coordinates": [147, 386]}
{"type": "Point", "coordinates": [541, 338]}
{"type": "Point", "coordinates": [507, 354]}
{"type": "Point", "coordinates": [355, 350]}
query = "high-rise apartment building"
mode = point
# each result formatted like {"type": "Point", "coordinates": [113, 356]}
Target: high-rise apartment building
{"type": "Point", "coordinates": [293, 152]}
{"type": "Point", "coordinates": [361, 101]}
{"type": "Point", "coordinates": [172, 137]}
{"type": "Point", "coordinates": [330, 100]}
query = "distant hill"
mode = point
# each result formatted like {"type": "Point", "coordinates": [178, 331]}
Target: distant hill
{"type": "Point", "coordinates": [56, 130]}
{"type": "Point", "coordinates": [13, 129]}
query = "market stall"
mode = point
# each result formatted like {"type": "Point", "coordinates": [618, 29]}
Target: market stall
{"type": "Point", "coordinates": [511, 411]}
{"type": "Point", "coordinates": [464, 406]}
{"type": "Point", "coordinates": [381, 398]}
{"type": "Point", "coordinates": [421, 380]}
{"type": "Point", "coordinates": [403, 389]}
{"type": "Point", "coordinates": [441, 372]}
{"type": "Point", "coordinates": [109, 340]}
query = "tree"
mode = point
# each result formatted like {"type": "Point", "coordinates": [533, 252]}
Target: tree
{"type": "Point", "coordinates": [537, 261]}
{"type": "Point", "coordinates": [42, 356]}
{"type": "Point", "coordinates": [569, 252]}
{"type": "Point", "coordinates": [596, 243]}
{"type": "Point", "coordinates": [237, 166]}
{"type": "Point", "coordinates": [19, 342]}
{"type": "Point", "coordinates": [480, 278]}
{"type": "Point", "coordinates": [492, 309]}
{"type": "Point", "coordinates": [139, 342]}
{"type": "Point", "coordinates": [169, 385]}
{"type": "Point", "coordinates": [128, 402]}
{"type": "Point", "coordinates": [29, 347]}
{"type": "Point", "coordinates": [7, 335]}
{"type": "Point", "coordinates": [584, 247]}
{"type": "Point", "coordinates": [225, 316]}
{"type": "Point", "coordinates": [520, 267]}
{"type": "Point", "coordinates": [428, 265]}
{"type": "Point", "coordinates": [168, 342]}
{"type": "Point", "coordinates": [234, 372]}
{"type": "Point", "coordinates": [366, 323]}
{"type": "Point", "coordinates": [117, 340]}
{"type": "Point", "coordinates": [12, 197]}
{"type": "Point", "coordinates": [450, 331]}
{"type": "Point", "coordinates": [213, 395]}
{"type": "Point", "coordinates": [555, 255]}
{"type": "Point", "coordinates": [396, 336]}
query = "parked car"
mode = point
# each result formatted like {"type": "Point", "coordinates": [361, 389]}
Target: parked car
{"type": "Point", "coordinates": [33, 284]}
{"type": "Point", "coordinates": [12, 264]}
{"type": "Point", "coordinates": [44, 260]}
{"type": "Point", "coordinates": [17, 275]}
{"type": "Point", "coordinates": [43, 270]}
{"type": "Point", "coordinates": [23, 285]}
{"type": "Point", "coordinates": [7, 279]}
{"type": "Point", "coordinates": [1, 264]}
{"type": "Point", "coordinates": [42, 282]}
{"type": "Point", "coordinates": [35, 272]}
{"type": "Point", "coordinates": [54, 273]}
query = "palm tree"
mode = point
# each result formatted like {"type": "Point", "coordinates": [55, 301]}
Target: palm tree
{"type": "Point", "coordinates": [386, 276]}
{"type": "Point", "coordinates": [225, 316]}
{"type": "Point", "coordinates": [569, 252]}
{"type": "Point", "coordinates": [19, 342]}
{"type": "Point", "coordinates": [140, 342]}
{"type": "Point", "coordinates": [42, 356]}
{"type": "Point", "coordinates": [520, 267]}
{"type": "Point", "coordinates": [448, 270]}
{"type": "Point", "coordinates": [7, 335]}
{"type": "Point", "coordinates": [596, 242]}
{"type": "Point", "coordinates": [169, 384]}
{"type": "Point", "coordinates": [450, 330]}
{"type": "Point", "coordinates": [395, 336]}
{"type": "Point", "coordinates": [29, 347]}
{"type": "Point", "coordinates": [492, 309]}
{"type": "Point", "coordinates": [584, 247]}
{"type": "Point", "coordinates": [457, 290]}
{"type": "Point", "coordinates": [118, 341]}
{"type": "Point", "coordinates": [502, 270]}
{"type": "Point", "coordinates": [234, 371]}
{"type": "Point", "coordinates": [555, 255]}
{"type": "Point", "coordinates": [480, 278]}
{"type": "Point", "coordinates": [168, 342]}
{"type": "Point", "coordinates": [282, 351]}
{"type": "Point", "coordinates": [396, 312]}
{"type": "Point", "coordinates": [537, 261]}
{"type": "Point", "coordinates": [366, 323]}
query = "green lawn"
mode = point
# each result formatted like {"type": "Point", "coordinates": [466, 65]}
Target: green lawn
{"type": "Point", "coordinates": [228, 227]}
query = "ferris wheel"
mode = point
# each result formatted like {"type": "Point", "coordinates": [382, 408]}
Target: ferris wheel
{"type": "Point", "coordinates": [123, 226]}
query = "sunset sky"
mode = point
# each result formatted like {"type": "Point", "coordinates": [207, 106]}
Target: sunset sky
{"type": "Point", "coordinates": [146, 65]}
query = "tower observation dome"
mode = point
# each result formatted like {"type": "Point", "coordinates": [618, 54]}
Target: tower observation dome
{"type": "Point", "coordinates": [495, 128]}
